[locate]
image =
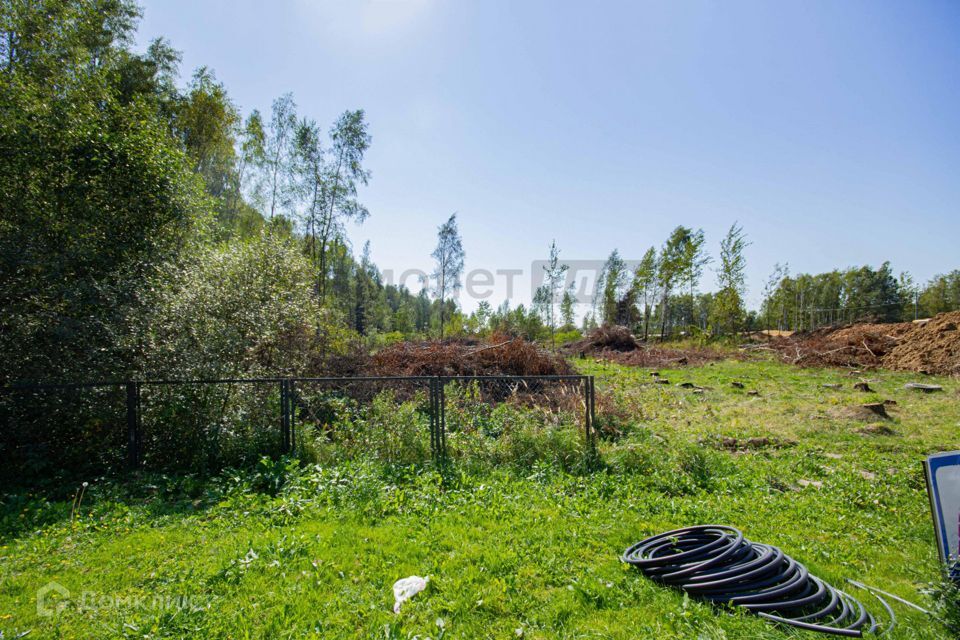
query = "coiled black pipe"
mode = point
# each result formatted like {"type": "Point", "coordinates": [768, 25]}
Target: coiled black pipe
{"type": "Point", "coordinates": [716, 563]}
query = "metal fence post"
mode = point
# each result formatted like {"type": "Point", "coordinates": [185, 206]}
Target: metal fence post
{"type": "Point", "coordinates": [442, 422]}
{"type": "Point", "coordinates": [593, 417]}
{"type": "Point", "coordinates": [432, 410]}
{"type": "Point", "coordinates": [586, 413]}
{"type": "Point", "coordinates": [292, 415]}
{"type": "Point", "coordinates": [284, 419]}
{"type": "Point", "coordinates": [133, 424]}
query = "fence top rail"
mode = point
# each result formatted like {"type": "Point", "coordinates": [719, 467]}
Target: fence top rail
{"type": "Point", "coordinates": [570, 378]}
{"type": "Point", "coordinates": [330, 380]}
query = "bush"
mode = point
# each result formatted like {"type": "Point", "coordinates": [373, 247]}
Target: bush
{"type": "Point", "coordinates": [481, 434]}
{"type": "Point", "coordinates": [388, 429]}
{"type": "Point", "coordinates": [566, 337]}
{"type": "Point", "coordinates": [242, 310]}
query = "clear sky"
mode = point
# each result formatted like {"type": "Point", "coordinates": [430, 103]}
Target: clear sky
{"type": "Point", "coordinates": [829, 130]}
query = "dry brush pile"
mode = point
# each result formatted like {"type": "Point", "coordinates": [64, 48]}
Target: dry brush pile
{"type": "Point", "coordinates": [617, 344]}
{"type": "Point", "coordinates": [930, 347]}
{"type": "Point", "coordinates": [499, 356]}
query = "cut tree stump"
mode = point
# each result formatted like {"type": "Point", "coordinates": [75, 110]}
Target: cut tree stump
{"type": "Point", "coordinates": [877, 430]}
{"type": "Point", "coordinates": [926, 388]}
{"type": "Point", "coordinates": [862, 386]}
{"type": "Point", "coordinates": [877, 408]}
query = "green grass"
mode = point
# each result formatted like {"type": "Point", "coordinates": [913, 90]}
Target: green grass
{"type": "Point", "coordinates": [512, 552]}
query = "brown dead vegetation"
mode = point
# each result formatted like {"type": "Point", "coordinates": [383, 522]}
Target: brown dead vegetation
{"type": "Point", "coordinates": [932, 347]}
{"type": "Point", "coordinates": [617, 344]}
{"type": "Point", "coordinates": [499, 356]}
{"type": "Point", "coordinates": [855, 346]}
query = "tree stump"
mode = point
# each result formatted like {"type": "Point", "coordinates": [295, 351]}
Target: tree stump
{"type": "Point", "coordinates": [877, 408]}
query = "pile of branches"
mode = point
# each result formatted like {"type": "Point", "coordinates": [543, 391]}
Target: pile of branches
{"type": "Point", "coordinates": [616, 344]}
{"type": "Point", "coordinates": [609, 337]}
{"type": "Point", "coordinates": [455, 357]}
{"type": "Point", "coordinates": [857, 346]}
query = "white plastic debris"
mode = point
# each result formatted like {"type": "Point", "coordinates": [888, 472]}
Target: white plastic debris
{"type": "Point", "coordinates": [406, 588]}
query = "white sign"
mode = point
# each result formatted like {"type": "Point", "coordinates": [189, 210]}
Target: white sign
{"type": "Point", "coordinates": [943, 485]}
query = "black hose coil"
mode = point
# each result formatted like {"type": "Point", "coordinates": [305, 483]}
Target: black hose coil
{"type": "Point", "coordinates": [716, 563]}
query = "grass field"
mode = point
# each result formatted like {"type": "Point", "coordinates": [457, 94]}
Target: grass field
{"type": "Point", "coordinates": [511, 552]}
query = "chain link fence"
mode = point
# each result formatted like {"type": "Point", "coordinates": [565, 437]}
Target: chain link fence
{"type": "Point", "coordinates": [53, 433]}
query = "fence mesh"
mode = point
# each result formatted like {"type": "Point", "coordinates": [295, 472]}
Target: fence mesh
{"type": "Point", "coordinates": [61, 432]}
{"type": "Point", "coordinates": [204, 426]}
{"type": "Point", "coordinates": [517, 420]}
{"type": "Point", "coordinates": [391, 419]}
{"type": "Point", "coordinates": [53, 433]}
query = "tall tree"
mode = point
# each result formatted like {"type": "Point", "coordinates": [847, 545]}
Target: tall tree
{"type": "Point", "coordinates": [567, 304]}
{"type": "Point", "coordinates": [694, 261]}
{"type": "Point", "coordinates": [449, 264]}
{"type": "Point", "coordinates": [310, 170]}
{"type": "Point", "coordinates": [278, 152]}
{"type": "Point", "coordinates": [250, 160]}
{"type": "Point", "coordinates": [645, 284]}
{"type": "Point", "coordinates": [554, 276]}
{"type": "Point", "coordinates": [728, 309]}
{"type": "Point", "coordinates": [671, 267]}
{"type": "Point", "coordinates": [206, 122]}
{"type": "Point", "coordinates": [611, 286]}
{"type": "Point", "coordinates": [910, 293]}
{"type": "Point", "coordinates": [349, 141]}
{"type": "Point", "coordinates": [780, 271]}
{"type": "Point", "coordinates": [941, 293]}
{"type": "Point", "coordinates": [95, 192]}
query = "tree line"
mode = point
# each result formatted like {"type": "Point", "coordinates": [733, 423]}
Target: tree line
{"type": "Point", "coordinates": [659, 296]}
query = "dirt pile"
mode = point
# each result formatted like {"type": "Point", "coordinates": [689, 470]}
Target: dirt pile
{"type": "Point", "coordinates": [511, 356]}
{"type": "Point", "coordinates": [857, 345]}
{"type": "Point", "coordinates": [933, 347]}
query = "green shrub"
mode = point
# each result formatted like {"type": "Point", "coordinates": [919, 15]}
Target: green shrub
{"type": "Point", "coordinates": [484, 434]}
{"type": "Point", "coordinates": [388, 429]}
{"type": "Point", "coordinates": [566, 337]}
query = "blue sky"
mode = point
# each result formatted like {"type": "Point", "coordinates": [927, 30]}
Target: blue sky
{"type": "Point", "coordinates": [829, 130]}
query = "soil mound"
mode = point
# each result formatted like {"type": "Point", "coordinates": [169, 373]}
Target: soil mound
{"type": "Point", "coordinates": [933, 347]}
{"type": "Point", "coordinates": [513, 357]}
{"type": "Point", "coordinates": [856, 345]}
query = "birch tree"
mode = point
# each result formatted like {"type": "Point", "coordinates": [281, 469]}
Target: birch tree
{"type": "Point", "coordinates": [728, 309]}
{"type": "Point", "coordinates": [645, 284]}
{"type": "Point", "coordinates": [449, 264]}
{"type": "Point", "coordinates": [344, 172]}
{"type": "Point", "coordinates": [279, 146]}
